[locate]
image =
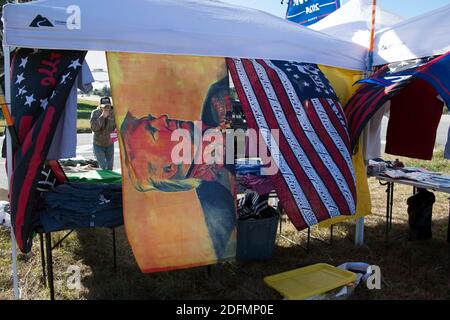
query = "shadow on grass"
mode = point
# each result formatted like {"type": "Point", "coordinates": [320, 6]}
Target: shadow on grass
{"type": "Point", "coordinates": [410, 270]}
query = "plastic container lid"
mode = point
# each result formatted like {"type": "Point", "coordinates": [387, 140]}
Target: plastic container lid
{"type": "Point", "coordinates": [309, 281]}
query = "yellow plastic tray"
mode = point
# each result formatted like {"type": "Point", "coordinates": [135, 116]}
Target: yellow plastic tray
{"type": "Point", "coordinates": [309, 281]}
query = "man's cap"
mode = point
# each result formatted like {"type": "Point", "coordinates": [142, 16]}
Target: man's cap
{"type": "Point", "coordinates": [105, 100]}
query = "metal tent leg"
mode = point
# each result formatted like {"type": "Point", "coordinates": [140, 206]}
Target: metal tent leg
{"type": "Point", "coordinates": [359, 232]}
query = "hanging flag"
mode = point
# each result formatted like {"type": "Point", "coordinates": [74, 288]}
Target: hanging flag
{"type": "Point", "coordinates": [389, 81]}
{"type": "Point", "coordinates": [307, 12]}
{"type": "Point", "coordinates": [177, 214]}
{"type": "Point", "coordinates": [315, 180]}
{"type": "Point", "coordinates": [40, 83]}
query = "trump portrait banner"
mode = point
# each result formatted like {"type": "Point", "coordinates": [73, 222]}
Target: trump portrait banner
{"type": "Point", "coordinates": [178, 214]}
{"type": "Point", "coordinates": [307, 12]}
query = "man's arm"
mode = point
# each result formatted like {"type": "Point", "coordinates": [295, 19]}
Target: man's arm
{"type": "Point", "coordinates": [111, 122]}
{"type": "Point", "coordinates": [97, 121]}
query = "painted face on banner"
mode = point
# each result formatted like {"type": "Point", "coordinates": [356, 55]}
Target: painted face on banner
{"type": "Point", "coordinates": [149, 148]}
{"type": "Point", "coordinates": [152, 145]}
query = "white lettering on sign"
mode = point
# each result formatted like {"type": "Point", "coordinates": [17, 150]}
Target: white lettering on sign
{"type": "Point", "coordinates": [311, 9]}
{"type": "Point", "coordinates": [299, 2]}
{"type": "Point", "coordinates": [73, 22]}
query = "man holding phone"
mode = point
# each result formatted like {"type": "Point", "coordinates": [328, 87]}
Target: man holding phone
{"type": "Point", "coordinates": [103, 126]}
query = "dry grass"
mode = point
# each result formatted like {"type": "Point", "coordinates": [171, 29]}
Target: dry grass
{"type": "Point", "coordinates": [410, 270]}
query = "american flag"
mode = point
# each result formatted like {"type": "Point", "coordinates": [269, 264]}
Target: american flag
{"type": "Point", "coordinates": [40, 84]}
{"type": "Point", "coordinates": [316, 179]}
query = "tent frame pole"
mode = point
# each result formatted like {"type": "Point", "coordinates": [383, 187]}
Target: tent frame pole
{"type": "Point", "coordinates": [7, 68]}
{"type": "Point", "coordinates": [359, 229]}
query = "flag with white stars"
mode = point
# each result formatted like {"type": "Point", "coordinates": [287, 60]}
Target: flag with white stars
{"type": "Point", "coordinates": [315, 180]}
{"type": "Point", "coordinates": [389, 81]}
{"type": "Point", "coordinates": [40, 84]}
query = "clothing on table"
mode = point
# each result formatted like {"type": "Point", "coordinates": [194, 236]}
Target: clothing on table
{"type": "Point", "coordinates": [104, 156]}
{"type": "Point", "coordinates": [253, 206]}
{"type": "Point", "coordinates": [64, 143]}
{"type": "Point", "coordinates": [413, 121]}
{"type": "Point", "coordinates": [102, 127]}
{"type": "Point", "coordinates": [372, 133]}
{"type": "Point", "coordinates": [245, 166]}
{"type": "Point", "coordinates": [82, 205]}
{"type": "Point", "coordinates": [5, 217]}
{"type": "Point", "coordinates": [95, 176]}
{"type": "Point", "coordinates": [447, 146]}
{"type": "Point", "coordinates": [259, 184]}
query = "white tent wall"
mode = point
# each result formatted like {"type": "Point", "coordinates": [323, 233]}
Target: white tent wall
{"type": "Point", "coordinates": [189, 27]}
{"type": "Point", "coordinates": [352, 22]}
{"type": "Point", "coordinates": [422, 36]}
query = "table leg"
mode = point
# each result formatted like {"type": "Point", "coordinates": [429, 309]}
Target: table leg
{"type": "Point", "coordinates": [389, 207]}
{"type": "Point", "coordinates": [114, 249]}
{"type": "Point", "coordinates": [308, 240]}
{"type": "Point", "coordinates": [48, 244]}
{"type": "Point", "coordinates": [41, 245]}
{"type": "Point", "coordinates": [392, 206]}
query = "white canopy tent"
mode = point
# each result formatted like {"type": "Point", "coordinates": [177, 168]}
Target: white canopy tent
{"type": "Point", "coordinates": [189, 27]}
{"type": "Point", "coordinates": [421, 36]}
{"type": "Point", "coordinates": [352, 22]}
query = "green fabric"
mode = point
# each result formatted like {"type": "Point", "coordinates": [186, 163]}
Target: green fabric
{"type": "Point", "coordinates": [95, 176]}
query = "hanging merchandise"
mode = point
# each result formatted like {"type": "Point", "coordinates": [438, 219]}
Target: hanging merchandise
{"type": "Point", "coordinates": [41, 80]}
{"type": "Point", "coordinates": [178, 213]}
{"type": "Point", "coordinates": [295, 102]}
{"type": "Point", "coordinates": [372, 134]}
{"type": "Point", "coordinates": [428, 74]}
{"type": "Point", "coordinates": [64, 142]}
{"type": "Point", "coordinates": [342, 82]}
{"type": "Point", "coordinates": [413, 121]}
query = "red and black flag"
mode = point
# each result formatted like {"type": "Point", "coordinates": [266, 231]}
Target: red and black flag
{"type": "Point", "coordinates": [41, 81]}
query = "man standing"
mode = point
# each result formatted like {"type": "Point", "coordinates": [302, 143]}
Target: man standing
{"type": "Point", "coordinates": [102, 125]}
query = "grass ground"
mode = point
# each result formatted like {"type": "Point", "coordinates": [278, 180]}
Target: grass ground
{"type": "Point", "coordinates": [410, 270]}
{"type": "Point", "coordinates": [84, 110]}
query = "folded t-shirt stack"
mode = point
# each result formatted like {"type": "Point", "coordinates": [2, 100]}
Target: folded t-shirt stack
{"type": "Point", "coordinates": [82, 205]}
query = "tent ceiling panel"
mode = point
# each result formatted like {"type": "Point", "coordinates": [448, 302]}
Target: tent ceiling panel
{"type": "Point", "coordinates": [189, 27]}
{"type": "Point", "coordinates": [422, 36]}
{"type": "Point", "coordinates": [352, 22]}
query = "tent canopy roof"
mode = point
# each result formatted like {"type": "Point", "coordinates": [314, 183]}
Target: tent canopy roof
{"type": "Point", "coordinates": [422, 36]}
{"type": "Point", "coordinates": [188, 27]}
{"type": "Point", "coordinates": [352, 22]}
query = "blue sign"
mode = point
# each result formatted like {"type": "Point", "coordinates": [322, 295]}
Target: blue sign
{"type": "Point", "coordinates": [307, 12]}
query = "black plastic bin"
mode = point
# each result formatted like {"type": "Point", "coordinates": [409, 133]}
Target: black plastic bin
{"type": "Point", "coordinates": [256, 239]}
